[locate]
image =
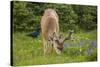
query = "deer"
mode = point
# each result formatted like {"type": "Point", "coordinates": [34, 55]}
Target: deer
{"type": "Point", "coordinates": [50, 32]}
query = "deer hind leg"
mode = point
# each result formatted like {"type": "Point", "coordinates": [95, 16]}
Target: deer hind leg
{"type": "Point", "coordinates": [49, 48]}
{"type": "Point", "coordinates": [45, 46]}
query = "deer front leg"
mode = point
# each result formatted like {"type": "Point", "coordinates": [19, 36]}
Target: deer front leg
{"type": "Point", "coordinates": [50, 47]}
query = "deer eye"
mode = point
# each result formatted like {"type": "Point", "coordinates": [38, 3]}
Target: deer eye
{"type": "Point", "coordinates": [56, 41]}
{"type": "Point", "coordinates": [59, 48]}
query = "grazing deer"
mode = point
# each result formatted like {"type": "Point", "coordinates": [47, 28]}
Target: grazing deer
{"type": "Point", "coordinates": [50, 32]}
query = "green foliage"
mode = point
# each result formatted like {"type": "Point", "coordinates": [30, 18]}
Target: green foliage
{"type": "Point", "coordinates": [29, 51]}
{"type": "Point", "coordinates": [21, 16]}
{"type": "Point", "coordinates": [87, 16]}
{"type": "Point", "coordinates": [27, 16]}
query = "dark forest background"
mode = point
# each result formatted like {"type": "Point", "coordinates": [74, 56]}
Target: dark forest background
{"type": "Point", "coordinates": [27, 16]}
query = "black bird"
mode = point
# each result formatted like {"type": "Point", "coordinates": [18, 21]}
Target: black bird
{"type": "Point", "coordinates": [35, 34]}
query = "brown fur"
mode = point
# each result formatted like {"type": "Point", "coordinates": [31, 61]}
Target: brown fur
{"type": "Point", "coordinates": [49, 25]}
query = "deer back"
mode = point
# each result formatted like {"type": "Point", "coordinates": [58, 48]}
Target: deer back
{"type": "Point", "coordinates": [49, 23]}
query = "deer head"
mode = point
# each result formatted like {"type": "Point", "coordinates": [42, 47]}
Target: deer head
{"type": "Point", "coordinates": [58, 42]}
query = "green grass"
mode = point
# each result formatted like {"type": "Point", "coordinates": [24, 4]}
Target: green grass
{"type": "Point", "coordinates": [29, 51]}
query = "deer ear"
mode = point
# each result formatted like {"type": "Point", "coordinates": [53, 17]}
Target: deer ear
{"type": "Point", "coordinates": [60, 36]}
{"type": "Point", "coordinates": [50, 37]}
{"type": "Point", "coordinates": [54, 34]}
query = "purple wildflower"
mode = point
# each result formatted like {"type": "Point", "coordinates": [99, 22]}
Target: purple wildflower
{"type": "Point", "coordinates": [82, 42]}
{"type": "Point", "coordinates": [94, 43]}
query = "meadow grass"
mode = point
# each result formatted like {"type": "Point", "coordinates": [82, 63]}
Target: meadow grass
{"type": "Point", "coordinates": [29, 51]}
